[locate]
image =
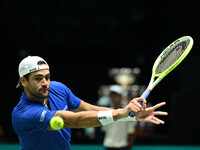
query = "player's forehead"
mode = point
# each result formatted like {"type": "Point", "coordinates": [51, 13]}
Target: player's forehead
{"type": "Point", "coordinates": [43, 72]}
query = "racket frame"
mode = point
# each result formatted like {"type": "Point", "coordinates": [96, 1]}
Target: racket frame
{"type": "Point", "coordinates": [160, 76]}
{"type": "Point", "coordinates": [153, 82]}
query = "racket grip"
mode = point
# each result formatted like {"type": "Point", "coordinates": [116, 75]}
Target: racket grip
{"type": "Point", "coordinates": [145, 94]}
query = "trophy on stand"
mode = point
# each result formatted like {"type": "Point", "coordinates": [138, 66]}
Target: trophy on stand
{"type": "Point", "coordinates": [126, 77]}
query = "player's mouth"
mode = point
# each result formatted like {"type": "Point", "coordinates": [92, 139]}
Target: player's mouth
{"type": "Point", "coordinates": [44, 89]}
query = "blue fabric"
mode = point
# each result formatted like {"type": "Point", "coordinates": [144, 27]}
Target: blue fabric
{"type": "Point", "coordinates": [31, 119]}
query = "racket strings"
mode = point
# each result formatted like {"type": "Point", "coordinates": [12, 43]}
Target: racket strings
{"type": "Point", "coordinates": [172, 55]}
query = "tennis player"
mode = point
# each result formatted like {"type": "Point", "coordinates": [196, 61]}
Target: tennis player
{"type": "Point", "coordinates": [43, 99]}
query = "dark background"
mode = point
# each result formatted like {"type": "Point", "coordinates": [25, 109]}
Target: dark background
{"type": "Point", "coordinates": [82, 40]}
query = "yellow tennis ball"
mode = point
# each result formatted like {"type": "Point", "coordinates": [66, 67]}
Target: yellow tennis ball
{"type": "Point", "coordinates": [56, 123]}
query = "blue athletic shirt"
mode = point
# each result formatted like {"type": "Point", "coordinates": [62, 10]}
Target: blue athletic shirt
{"type": "Point", "coordinates": [31, 119]}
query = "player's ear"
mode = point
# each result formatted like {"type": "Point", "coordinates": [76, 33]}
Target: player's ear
{"type": "Point", "coordinates": [23, 81]}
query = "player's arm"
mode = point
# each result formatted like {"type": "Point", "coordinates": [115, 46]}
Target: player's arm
{"type": "Point", "coordinates": [85, 119]}
{"type": "Point", "coordinates": [143, 115]}
{"type": "Point", "coordinates": [84, 106]}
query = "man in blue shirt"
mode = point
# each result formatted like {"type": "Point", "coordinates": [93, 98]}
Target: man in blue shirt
{"type": "Point", "coordinates": [43, 99]}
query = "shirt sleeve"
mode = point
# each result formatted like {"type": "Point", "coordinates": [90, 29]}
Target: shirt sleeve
{"type": "Point", "coordinates": [37, 119]}
{"type": "Point", "coordinates": [73, 101]}
{"type": "Point", "coordinates": [66, 94]}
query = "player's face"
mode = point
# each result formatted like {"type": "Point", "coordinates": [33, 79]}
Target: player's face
{"type": "Point", "coordinates": [37, 87]}
{"type": "Point", "coordinates": [116, 98]}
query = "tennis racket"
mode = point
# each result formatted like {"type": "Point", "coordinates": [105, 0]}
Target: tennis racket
{"type": "Point", "coordinates": [168, 60]}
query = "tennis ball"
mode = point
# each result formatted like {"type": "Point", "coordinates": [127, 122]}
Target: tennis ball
{"type": "Point", "coordinates": [56, 123]}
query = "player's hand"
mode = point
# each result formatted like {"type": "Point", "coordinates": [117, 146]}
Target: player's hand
{"type": "Point", "coordinates": [134, 106]}
{"type": "Point", "coordinates": [148, 114]}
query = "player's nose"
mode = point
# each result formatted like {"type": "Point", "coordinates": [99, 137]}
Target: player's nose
{"type": "Point", "coordinates": [44, 82]}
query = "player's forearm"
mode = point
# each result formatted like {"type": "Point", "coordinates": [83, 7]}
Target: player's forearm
{"type": "Point", "coordinates": [84, 119]}
{"type": "Point", "coordinates": [99, 108]}
{"type": "Point", "coordinates": [84, 106]}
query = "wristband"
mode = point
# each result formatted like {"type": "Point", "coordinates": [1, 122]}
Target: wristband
{"type": "Point", "coordinates": [105, 117]}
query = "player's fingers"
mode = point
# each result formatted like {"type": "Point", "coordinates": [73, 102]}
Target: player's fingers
{"type": "Point", "coordinates": [136, 104]}
{"type": "Point", "coordinates": [140, 99]}
{"type": "Point", "coordinates": [160, 113]}
{"type": "Point", "coordinates": [158, 105]}
{"type": "Point", "coordinates": [144, 106]}
{"type": "Point", "coordinates": [133, 108]}
{"type": "Point", "coordinates": [158, 120]}
{"type": "Point", "coordinates": [136, 108]}
{"type": "Point", "coordinates": [154, 122]}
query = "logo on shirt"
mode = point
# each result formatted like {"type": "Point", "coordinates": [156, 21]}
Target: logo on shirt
{"type": "Point", "coordinates": [43, 115]}
{"type": "Point", "coordinates": [65, 107]}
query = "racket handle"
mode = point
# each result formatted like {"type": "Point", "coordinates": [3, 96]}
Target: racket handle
{"type": "Point", "coordinates": [145, 94]}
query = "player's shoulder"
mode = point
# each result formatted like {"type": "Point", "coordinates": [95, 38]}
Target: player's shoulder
{"type": "Point", "coordinates": [58, 86]}
{"type": "Point", "coordinates": [24, 107]}
{"type": "Point", "coordinates": [25, 112]}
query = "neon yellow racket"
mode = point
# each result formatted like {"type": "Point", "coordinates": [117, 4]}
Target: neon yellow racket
{"type": "Point", "coordinates": [168, 60]}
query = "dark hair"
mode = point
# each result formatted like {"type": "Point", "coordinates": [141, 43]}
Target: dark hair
{"type": "Point", "coordinates": [27, 78]}
{"type": "Point", "coordinates": [41, 62]}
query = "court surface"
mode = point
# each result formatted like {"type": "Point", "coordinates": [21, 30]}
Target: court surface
{"type": "Point", "coordinates": [99, 147]}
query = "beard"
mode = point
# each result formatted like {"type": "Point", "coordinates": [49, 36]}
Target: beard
{"type": "Point", "coordinates": [39, 95]}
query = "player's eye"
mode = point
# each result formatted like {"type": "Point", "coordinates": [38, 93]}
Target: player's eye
{"type": "Point", "coordinates": [38, 78]}
{"type": "Point", "coordinates": [47, 78]}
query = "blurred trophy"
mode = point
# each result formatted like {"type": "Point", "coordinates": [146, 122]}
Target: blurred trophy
{"type": "Point", "coordinates": [126, 77]}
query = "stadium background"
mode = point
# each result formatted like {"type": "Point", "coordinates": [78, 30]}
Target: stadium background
{"type": "Point", "coordinates": [82, 40]}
